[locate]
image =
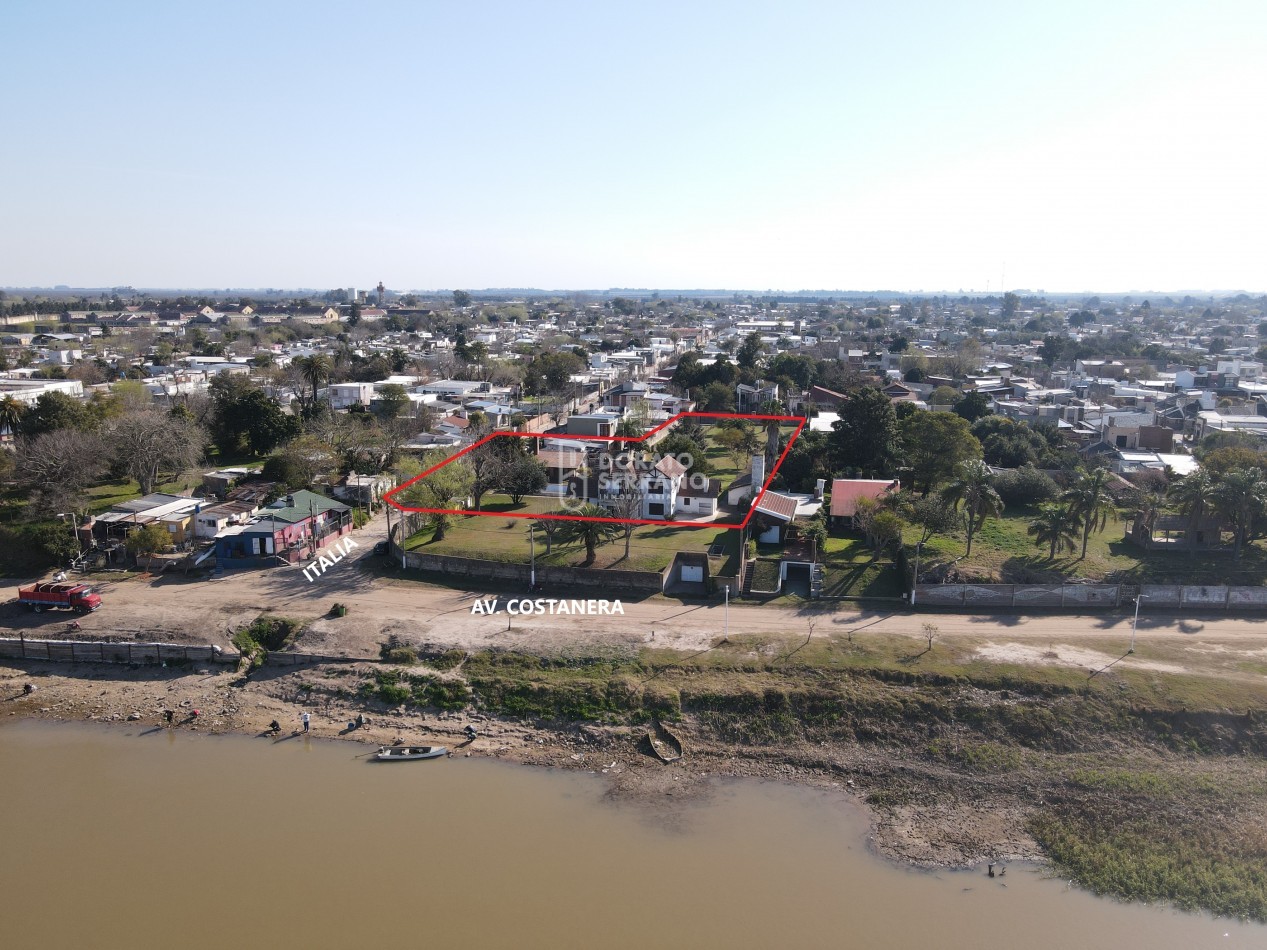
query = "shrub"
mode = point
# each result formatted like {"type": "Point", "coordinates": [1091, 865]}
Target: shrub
{"type": "Point", "coordinates": [405, 656]}
{"type": "Point", "coordinates": [265, 634]}
{"type": "Point", "coordinates": [360, 518]}
{"type": "Point", "coordinates": [447, 660]}
{"type": "Point", "coordinates": [1025, 487]}
{"type": "Point", "coordinates": [393, 694]}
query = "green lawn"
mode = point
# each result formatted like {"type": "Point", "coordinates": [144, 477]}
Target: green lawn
{"type": "Point", "coordinates": [723, 466]}
{"type": "Point", "coordinates": [651, 548]}
{"type": "Point", "coordinates": [765, 575]}
{"type": "Point", "coordinates": [1003, 552]}
{"type": "Point", "coordinates": [851, 569]}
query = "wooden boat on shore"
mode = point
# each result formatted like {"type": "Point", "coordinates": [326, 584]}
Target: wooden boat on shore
{"type": "Point", "coordinates": [665, 746]}
{"type": "Point", "coordinates": [402, 753]}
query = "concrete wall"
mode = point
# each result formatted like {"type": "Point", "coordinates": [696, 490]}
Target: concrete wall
{"type": "Point", "coordinates": [617, 581]}
{"type": "Point", "coordinates": [81, 651]}
{"type": "Point", "coordinates": [1092, 596]}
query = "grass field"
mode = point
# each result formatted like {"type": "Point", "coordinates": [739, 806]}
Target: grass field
{"type": "Point", "coordinates": [1002, 551]}
{"type": "Point", "coordinates": [651, 548]}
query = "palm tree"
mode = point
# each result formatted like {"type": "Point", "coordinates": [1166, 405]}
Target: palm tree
{"type": "Point", "coordinates": [1147, 505]}
{"type": "Point", "coordinates": [1053, 526]}
{"type": "Point", "coordinates": [11, 411]}
{"type": "Point", "coordinates": [316, 370]}
{"type": "Point", "coordinates": [1089, 502]}
{"type": "Point", "coordinates": [552, 528]}
{"type": "Point", "coordinates": [1241, 498]}
{"type": "Point", "coordinates": [974, 492]}
{"type": "Point", "coordinates": [591, 532]}
{"type": "Point", "coordinates": [1192, 496]}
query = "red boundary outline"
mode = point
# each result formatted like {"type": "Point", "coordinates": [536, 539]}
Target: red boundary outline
{"type": "Point", "coordinates": [800, 425]}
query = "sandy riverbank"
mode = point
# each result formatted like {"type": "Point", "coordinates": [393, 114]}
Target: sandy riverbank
{"type": "Point", "coordinates": [944, 833]}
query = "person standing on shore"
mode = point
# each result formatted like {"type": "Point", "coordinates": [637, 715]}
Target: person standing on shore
{"type": "Point", "coordinates": [306, 718]}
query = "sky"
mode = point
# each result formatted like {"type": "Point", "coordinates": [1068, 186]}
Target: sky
{"type": "Point", "coordinates": [1106, 146]}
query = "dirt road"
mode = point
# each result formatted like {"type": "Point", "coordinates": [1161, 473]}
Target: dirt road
{"type": "Point", "coordinates": [380, 604]}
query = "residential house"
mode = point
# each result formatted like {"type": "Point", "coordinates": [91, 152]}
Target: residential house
{"type": "Point", "coordinates": [774, 512]}
{"type": "Point", "coordinates": [364, 490]}
{"type": "Point", "coordinates": [211, 520]}
{"type": "Point", "coordinates": [453, 425]}
{"type": "Point", "coordinates": [749, 484]}
{"type": "Point", "coordinates": [220, 481]}
{"type": "Point", "coordinates": [698, 496]}
{"type": "Point", "coordinates": [292, 529]}
{"type": "Point", "coordinates": [127, 516]}
{"type": "Point", "coordinates": [347, 395]}
{"type": "Point", "coordinates": [657, 486]}
{"type": "Point", "coordinates": [753, 398]}
{"type": "Point", "coordinates": [847, 492]}
{"type": "Point", "coordinates": [601, 422]}
{"type": "Point", "coordinates": [561, 466]}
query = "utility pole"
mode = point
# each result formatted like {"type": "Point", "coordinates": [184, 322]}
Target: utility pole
{"type": "Point", "coordinates": [1135, 622]}
{"type": "Point", "coordinates": [725, 632]}
{"type": "Point", "coordinates": [915, 579]}
{"type": "Point", "coordinates": [74, 522]}
{"type": "Point", "coordinates": [532, 548]}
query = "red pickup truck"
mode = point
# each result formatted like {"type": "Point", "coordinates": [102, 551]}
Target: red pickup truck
{"type": "Point", "coordinates": [50, 596]}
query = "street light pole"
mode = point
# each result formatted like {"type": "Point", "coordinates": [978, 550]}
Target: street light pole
{"type": "Point", "coordinates": [1135, 622]}
{"type": "Point", "coordinates": [74, 523]}
{"type": "Point", "coordinates": [532, 547]}
{"type": "Point", "coordinates": [915, 579]}
{"type": "Point", "coordinates": [726, 615]}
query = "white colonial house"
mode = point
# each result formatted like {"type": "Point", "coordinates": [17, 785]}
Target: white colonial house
{"type": "Point", "coordinates": [656, 486]}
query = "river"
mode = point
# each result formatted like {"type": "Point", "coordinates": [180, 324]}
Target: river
{"type": "Point", "coordinates": [119, 838]}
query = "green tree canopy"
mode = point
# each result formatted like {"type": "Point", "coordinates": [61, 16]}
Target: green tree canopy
{"type": "Point", "coordinates": [973, 493]}
{"type": "Point", "coordinates": [865, 438]}
{"type": "Point", "coordinates": [937, 444]}
{"type": "Point", "coordinates": [590, 533]}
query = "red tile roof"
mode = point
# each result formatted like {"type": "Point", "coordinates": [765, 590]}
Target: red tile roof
{"type": "Point", "coordinates": [845, 493]}
{"type": "Point", "coordinates": [778, 506]}
{"type": "Point", "coordinates": [670, 467]}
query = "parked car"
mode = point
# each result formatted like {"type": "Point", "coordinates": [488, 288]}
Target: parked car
{"type": "Point", "coordinates": [382, 547]}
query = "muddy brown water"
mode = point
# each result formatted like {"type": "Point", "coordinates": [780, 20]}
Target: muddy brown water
{"type": "Point", "coordinates": [118, 838]}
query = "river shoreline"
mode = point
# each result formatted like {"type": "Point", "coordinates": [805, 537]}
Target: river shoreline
{"type": "Point", "coordinates": [944, 835]}
{"type": "Point", "coordinates": [954, 772]}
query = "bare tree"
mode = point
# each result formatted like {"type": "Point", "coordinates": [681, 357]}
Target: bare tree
{"type": "Point", "coordinates": [628, 506]}
{"type": "Point", "coordinates": [155, 445]}
{"type": "Point", "coordinates": [57, 466]}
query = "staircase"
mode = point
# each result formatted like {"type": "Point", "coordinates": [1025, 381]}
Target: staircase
{"type": "Point", "coordinates": [745, 578]}
{"type": "Point", "coordinates": [815, 581]}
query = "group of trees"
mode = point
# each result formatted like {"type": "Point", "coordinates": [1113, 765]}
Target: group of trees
{"type": "Point", "coordinates": [64, 446]}
{"type": "Point", "coordinates": [501, 465]}
{"type": "Point", "coordinates": [713, 385]}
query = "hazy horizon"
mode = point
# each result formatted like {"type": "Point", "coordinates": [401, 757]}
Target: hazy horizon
{"type": "Point", "coordinates": [973, 147]}
{"type": "Point", "coordinates": [64, 289]}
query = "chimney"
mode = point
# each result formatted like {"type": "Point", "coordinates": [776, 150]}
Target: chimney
{"type": "Point", "coordinates": [758, 474]}
{"type": "Point", "coordinates": [819, 487]}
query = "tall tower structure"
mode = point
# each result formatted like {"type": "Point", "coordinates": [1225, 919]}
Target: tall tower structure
{"type": "Point", "coordinates": [381, 290]}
